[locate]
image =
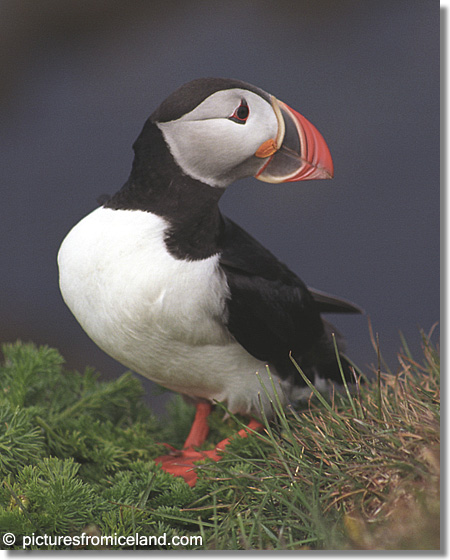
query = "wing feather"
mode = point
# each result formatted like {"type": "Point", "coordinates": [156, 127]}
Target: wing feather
{"type": "Point", "coordinates": [271, 312]}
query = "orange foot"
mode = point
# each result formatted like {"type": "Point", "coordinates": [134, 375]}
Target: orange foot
{"type": "Point", "coordinates": [181, 462]}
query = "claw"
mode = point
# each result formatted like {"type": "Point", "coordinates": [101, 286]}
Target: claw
{"type": "Point", "coordinates": [182, 462]}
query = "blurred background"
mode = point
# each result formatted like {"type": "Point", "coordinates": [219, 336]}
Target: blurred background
{"type": "Point", "coordinates": [79, 79]}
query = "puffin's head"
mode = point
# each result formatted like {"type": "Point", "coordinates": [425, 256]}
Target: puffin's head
{"type": "Point", "coordinates": [220, 130]}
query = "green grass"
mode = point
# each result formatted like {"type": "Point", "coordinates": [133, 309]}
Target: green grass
{"type": "Point", "coordinates": [358, 470]}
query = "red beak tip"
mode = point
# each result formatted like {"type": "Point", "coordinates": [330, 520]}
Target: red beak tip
{"type": "Point", "coordinates": [326, 173]}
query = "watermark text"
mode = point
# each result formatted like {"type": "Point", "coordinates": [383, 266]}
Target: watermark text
{"type": "Point", "coordinates": [104, 541]}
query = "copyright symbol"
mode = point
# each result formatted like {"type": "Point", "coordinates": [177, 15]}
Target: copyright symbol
{"type": "Point", "coordinates": [9, 539]}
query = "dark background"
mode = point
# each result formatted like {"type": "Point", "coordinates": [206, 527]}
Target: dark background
{"type": "Point", "coordinates": [80, 78]}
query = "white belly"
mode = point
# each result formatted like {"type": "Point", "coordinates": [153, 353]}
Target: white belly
{"type": "Point", "coordinates": [160, 316]}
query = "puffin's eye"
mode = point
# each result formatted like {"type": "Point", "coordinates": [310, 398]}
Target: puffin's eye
{"type": "Point", "coordinates": [241, 114]}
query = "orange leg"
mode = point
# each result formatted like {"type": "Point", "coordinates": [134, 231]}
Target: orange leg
{"type": "Point", "coordinates": [181, 463]}
{"type": "Point", "coordinates": [199, 429]}
{"type": "Point", "coordinates": [253, 425]}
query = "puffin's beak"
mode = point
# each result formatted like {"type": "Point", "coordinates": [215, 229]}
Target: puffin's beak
{"type": "Point", "coordinates": [298, 153]}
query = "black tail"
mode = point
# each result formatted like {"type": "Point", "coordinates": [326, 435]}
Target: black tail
{"type": "Point", "coordinates": [323, 362]}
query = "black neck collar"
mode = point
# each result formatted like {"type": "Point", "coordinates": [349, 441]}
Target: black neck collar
{"type": "Point", "coordinates": [156, 184]}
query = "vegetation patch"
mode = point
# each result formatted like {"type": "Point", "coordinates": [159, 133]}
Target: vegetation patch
{"type": "Point", "coordinates": [359, 470]}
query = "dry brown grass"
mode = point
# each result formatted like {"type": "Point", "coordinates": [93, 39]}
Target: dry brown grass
{"type": "Point", "coordinates": [380, 454]}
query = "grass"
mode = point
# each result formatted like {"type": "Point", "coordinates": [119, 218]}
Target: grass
{"type": "Point", "coordinates": [357, 471]}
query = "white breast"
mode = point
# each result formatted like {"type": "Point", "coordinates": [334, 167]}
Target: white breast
{"type": "Point", "coordinates": [160, 316]}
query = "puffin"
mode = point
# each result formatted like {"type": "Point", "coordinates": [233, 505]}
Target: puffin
{"type": "Point", "coordinates": [172, 289]}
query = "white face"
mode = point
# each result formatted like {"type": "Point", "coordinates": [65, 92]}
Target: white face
{"type": "Point", "coordinates": [214, 149]}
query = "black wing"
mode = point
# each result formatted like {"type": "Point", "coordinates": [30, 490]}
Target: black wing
{"type": "Point", "coordinates": [272, 313]}
{"type": "Point", "coordinates": [332, 304]}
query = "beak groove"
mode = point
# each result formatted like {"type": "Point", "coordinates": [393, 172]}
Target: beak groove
{"type": "Point", "coordinates": [281, 126]}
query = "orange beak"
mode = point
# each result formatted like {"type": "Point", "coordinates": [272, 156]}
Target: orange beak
{"type": "Point", "coordinates": [298, 153]}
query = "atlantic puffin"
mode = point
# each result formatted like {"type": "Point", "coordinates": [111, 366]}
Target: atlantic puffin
{"type": "Point", "coordinates": [172, 289]}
